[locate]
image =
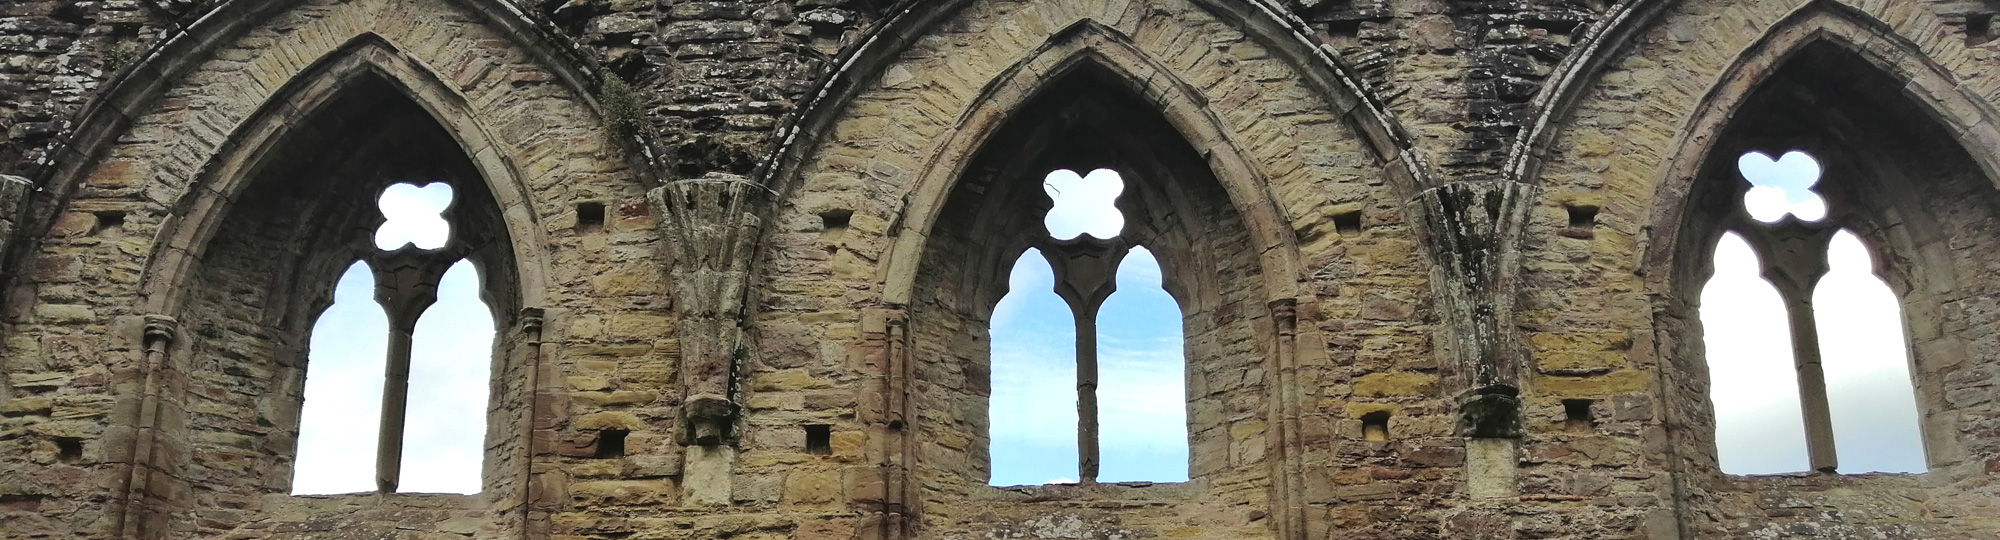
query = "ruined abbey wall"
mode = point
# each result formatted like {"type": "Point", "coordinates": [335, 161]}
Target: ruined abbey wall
{"type": "Point", "coordinates": [713, 231]}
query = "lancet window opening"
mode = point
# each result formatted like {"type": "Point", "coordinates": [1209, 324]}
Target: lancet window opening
{"type": "Point", "coordinates": [1087, 257]}
{"type": "Point", "coordinates": [1792, 282]}
{"type": "Point", "coordinates": [419, 276]}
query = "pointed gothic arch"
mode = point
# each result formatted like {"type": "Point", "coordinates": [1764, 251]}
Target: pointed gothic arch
{"type": "Point", "coordinates": [1090, 49]}
{"type": "Point", "coordinates": [1872, 108]}
{"type": "Point", "coordinates": [371, 63]}
{"type": "Point", "coordinates": [1616, 36]}
{"type": "Point", "coordinates": [1088, 101]}
{"type": "Point", "coordinates": [187, 144]}
{"type": "Point", "coordinates": [1274, 26]}
{"type": "Point", "coordinates": [251, 261]}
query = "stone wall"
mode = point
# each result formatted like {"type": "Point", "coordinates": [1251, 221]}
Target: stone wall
{"type": "Point", "coordinates": [1476, 220]}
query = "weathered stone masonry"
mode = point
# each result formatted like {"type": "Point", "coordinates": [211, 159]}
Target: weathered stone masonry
{"type": "Point", "coordinates": [1439, 261]}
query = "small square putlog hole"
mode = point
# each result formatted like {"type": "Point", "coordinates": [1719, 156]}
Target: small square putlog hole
{"type": "Point", "coordinates": [1978, 28]}
{"type": "Point", "coordinates": [1582, 219]}
{"type": "Point", "coordinates": [589, 217]}
{"type": "Point", "coordinates": [834, 224]}
{"type": "Point", "coordinates": [1348, 223]}
{"type": "Point", "coordinates": [611, 443]}
{"type": "Point", "coordinates": [1577, 415]}
{"type": "Point", "coordinates": [69, 449]}
{"type": "Point", "coordinates": [836, 219]}
{"type": "Point", "coordinates": [1375, 426]}
{"type": "Point", "coordinates": [819, 439]}
{"type": "Point", "coordinates": [109, 224]}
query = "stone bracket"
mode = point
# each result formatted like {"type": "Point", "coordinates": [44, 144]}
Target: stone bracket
{"type": "Point", "coordinates": [711, 228]}
{"type": "Point", "coordinates": [1493, 412]}
{"type": "Point", "coordinates": [1473, 232]}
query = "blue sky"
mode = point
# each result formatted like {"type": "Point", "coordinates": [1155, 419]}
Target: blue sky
{"type": "Point", "coordinates": [1141, 391]}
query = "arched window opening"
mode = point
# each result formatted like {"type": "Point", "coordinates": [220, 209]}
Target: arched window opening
{"type": "Point", "coordinates": [1758, 425]}
{"type": "Point", "coordinates": [436, 338]}
{"type": "Point", "coordinates": [1032, 414]}
{"type": "Point", "coordinates": [1874, 407]}
{"type": "Point", "coordinates": [1143, 394]}
{"type": "Point", "coordinates": [1084, 204]}
{"type": "Point", "coordinates": [450, 356]}
{"type": "Point", "coordinates": [1781, 187]}
{"type": "Point", "coordinates": [1773, 312]}
{"type": "Point", "coordinates": [1124, 366]}
{"type": "Point", "coordinates": [414, 216]}
{"type": "Point", "coordinates": [338, 422]}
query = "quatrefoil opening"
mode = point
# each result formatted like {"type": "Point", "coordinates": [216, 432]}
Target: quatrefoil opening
{"type": "Point", "coordinates": [415, 216]}
{"type": "Point", "coordinates": [1084, 204]}
{"type": "Point", "coordinates": [1781, 186]}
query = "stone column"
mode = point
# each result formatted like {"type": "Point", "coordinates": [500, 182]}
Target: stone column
{"type": "Point", "coordinates": [535, 499]}
{"type": "Point", "coordinates": [711, 226]}
{"type": "Point", "coordinates": [1794, 258]}
{"type": "Point", "coordinates": [134, 513]}
{"type": "Point", "coordinates": [406, 283]}
{"type": "Point", "coordinates": [1473, 234]}
{"type": "Point", "coordinates": [1086, 272]}
{"type": "Point", "coordinates": [884, 409]}
{"type": "Point", "coordinates": [1288, 465]}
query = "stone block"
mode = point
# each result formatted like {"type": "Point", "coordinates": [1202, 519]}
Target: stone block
{"type": "Point", "coordinates": [1395, 384]}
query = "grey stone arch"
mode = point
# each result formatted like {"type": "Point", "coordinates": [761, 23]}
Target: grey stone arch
{"type": "Point", "coordinates": [1904, 169]}
{"type": "Point", "coordinates": [249, 260]}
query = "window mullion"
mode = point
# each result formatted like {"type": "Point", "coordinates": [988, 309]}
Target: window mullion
{"type": "Point", "coordinates": [1086, 391]}
{"type": "Point", "coordinates": [406, 282]}
{"type": "Point", "coordinates": [1795, 257]}
{"type": "Point", "coordinates": [395, 402]}
{"type": "Point", "coordinates": [1812, 380]}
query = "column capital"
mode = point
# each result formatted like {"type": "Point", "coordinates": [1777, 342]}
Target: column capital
{"type": "Point", "coordinates": [162, 329]}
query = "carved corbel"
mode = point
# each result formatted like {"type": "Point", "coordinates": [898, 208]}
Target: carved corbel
{"type": "Point", "coordinates": [711, 225]}
{"type": "Point", "coordinates": [1474, 234]}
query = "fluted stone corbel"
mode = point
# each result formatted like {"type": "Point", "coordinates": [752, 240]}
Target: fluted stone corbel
{"type": "Point", "coordinates": [711, 226]}
{"type": "Point", "coordinates": [1473, 235]}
